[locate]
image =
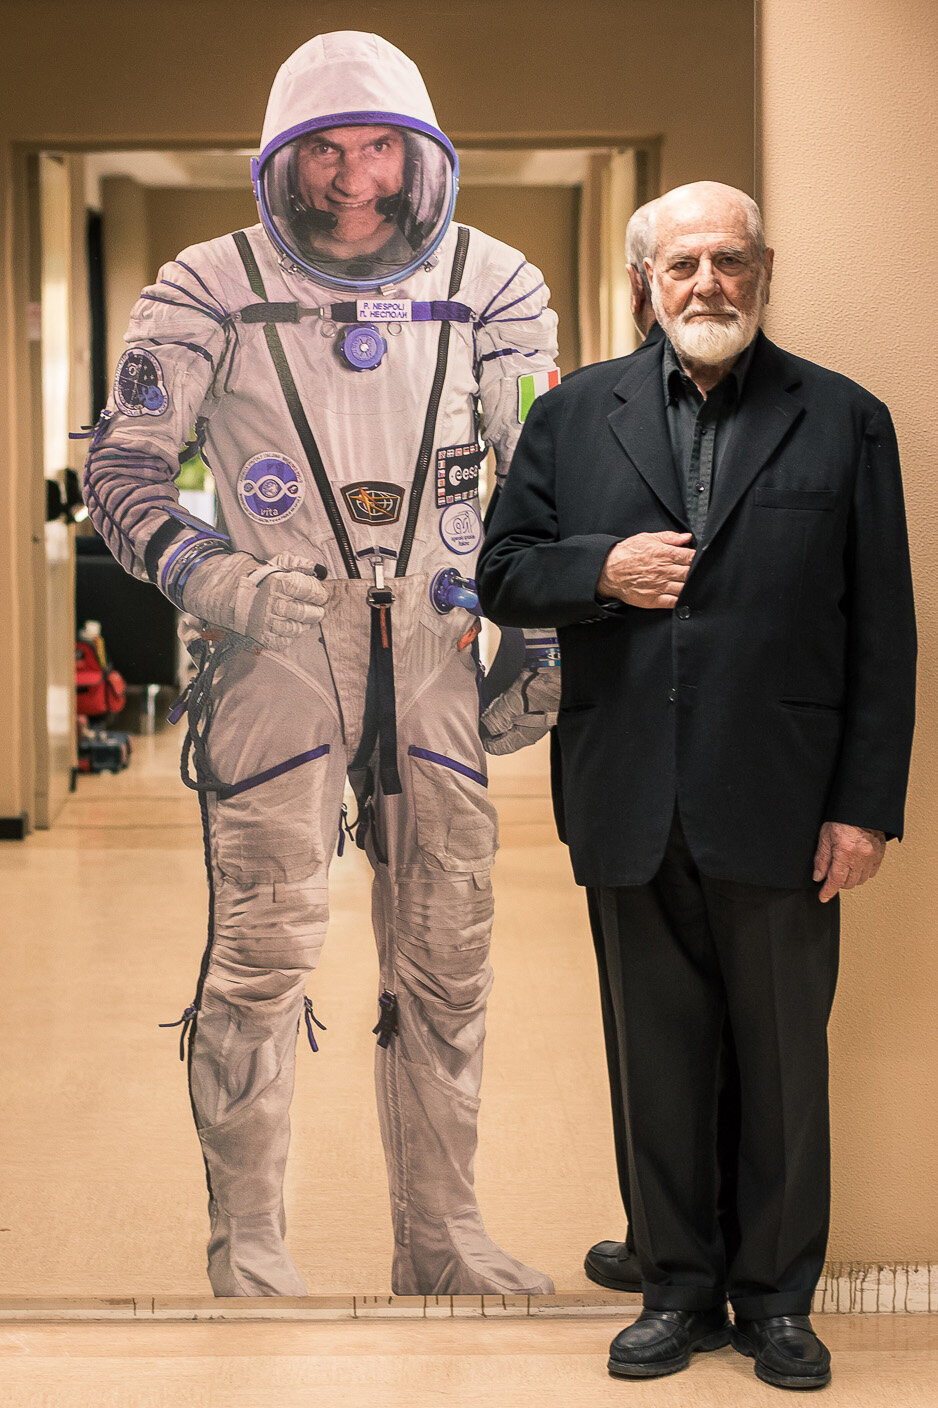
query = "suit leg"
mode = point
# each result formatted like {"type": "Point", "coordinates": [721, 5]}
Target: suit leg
{"type": "Point", "coordinates": [431, 849]}
{"type": "Point", "coordinates": [778, 953]}
{"type": "Point", "coordinates": [270, 846]}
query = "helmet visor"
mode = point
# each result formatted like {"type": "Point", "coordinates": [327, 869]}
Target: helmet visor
{"type": "Point", "coordinates": [357, 207]}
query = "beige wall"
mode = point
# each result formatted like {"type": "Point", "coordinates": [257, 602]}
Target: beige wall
{"type": "Point", "coordinates": [541, 221]}
{"type": "Point", "coordinates": [177, 217]}
{"type": "Point", "coordinates": [106, 73]}
{"type": "Point", "coordinates": [849, 99]}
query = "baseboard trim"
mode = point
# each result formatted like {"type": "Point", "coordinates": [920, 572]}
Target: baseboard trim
{"type": "Point", "coordinates": [877, 1288]}
{"type": "Point", "coordinates": [846, 1288]}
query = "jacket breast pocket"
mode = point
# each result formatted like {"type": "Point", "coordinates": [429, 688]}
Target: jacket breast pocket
{"type": "Point", "coordinates": [816, 500]}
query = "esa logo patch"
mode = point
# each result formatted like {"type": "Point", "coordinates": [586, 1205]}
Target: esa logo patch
{"type": "Point", "coordinates": [461, 528]}
{"type": "Point", "coordinates": [270, 488]}
{"type": "Point", "coordinates": [139, 389]}
{"type": "Point", "coordinates": [372, 501]}
{"type": "Point", "coordinates": [457, 473]}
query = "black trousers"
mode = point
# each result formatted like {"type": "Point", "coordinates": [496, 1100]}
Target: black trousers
{"type": "Point", "coordinates": [715, 999]}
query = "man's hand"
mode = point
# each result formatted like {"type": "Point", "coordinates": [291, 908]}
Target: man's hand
{"type": "Point", "coordinates": [846, 856]}
{"type": "Point", "coordinates": [647, 569]}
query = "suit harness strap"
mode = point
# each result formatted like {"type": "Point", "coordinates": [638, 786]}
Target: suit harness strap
{"type": "Point", "coordinates": [429, 425]}
{"type": "Point", "coordinates": [297, 413]}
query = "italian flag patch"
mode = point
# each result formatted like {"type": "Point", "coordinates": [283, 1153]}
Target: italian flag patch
{"type": "Point", "coordinates": [531, 386]}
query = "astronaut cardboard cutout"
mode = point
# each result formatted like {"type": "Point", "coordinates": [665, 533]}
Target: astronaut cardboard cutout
{"type": "Point", "coordinates": [340, 363]}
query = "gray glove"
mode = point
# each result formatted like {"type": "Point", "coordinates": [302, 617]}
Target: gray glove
{"type": "Point", "coordinates": [270, 602]}
{"type": "Point", "coordinates": [523, 713]}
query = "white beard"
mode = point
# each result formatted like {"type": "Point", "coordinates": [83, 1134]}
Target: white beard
{"type": "Point", "coordinates": [710, 341]}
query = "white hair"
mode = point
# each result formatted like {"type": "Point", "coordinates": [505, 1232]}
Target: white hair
{"type": "Point", "coordinates": [639, 241]}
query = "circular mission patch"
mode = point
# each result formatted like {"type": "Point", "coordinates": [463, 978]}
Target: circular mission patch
{"type": "Point", "coordinates": [139, 389]}
{"type": "Point", "coordinates": [270, 488]}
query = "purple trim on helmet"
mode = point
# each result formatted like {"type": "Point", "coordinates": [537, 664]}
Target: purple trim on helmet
{"type": "Point", "coordinates": [357, 119]}
{"type": "Point", "coordinates": [277, 771]}
{"type": "Point", "coordinates": [451, 763]}
{"type": "Point", "coordinates": [353, 119]}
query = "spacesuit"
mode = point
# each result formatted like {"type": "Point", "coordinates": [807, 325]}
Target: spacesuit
{"type": "Point", "coordinates": [342, 367]}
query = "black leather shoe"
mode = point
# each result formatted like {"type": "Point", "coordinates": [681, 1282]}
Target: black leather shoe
{"type": "Point", "coordinates": [662, 1341]}
{"type": "Point", "coordinates": [787, 1352]}
{"type": "Point", "coordinates": [612, 1265]}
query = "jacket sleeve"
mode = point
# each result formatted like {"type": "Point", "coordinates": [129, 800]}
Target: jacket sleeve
{"type": "Point", "coordinates": [166, 386]}
{"type": "Point", "coordinates": [528, 574]}
{"type": "Point", "coordinates": [869, 785]}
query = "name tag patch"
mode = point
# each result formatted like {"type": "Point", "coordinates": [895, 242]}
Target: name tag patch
{"type": "Point", "coordinates": [270, 488]}
{"type": "Point", "coordinates": [461, 528]}
{"type": "Point", "coordinates": [139, 389]}
{"type": "Point", "coordinates": [373, 501]}
{"type": "Point", "coordinates": [457, 473]}
{"type": "Point", "coordinates": [383, 310]}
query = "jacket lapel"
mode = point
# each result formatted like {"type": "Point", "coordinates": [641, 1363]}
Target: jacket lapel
{"type": "Point", "coordinates": [639, 426]}
{"type": "Point", "coordinates": [767, 413]}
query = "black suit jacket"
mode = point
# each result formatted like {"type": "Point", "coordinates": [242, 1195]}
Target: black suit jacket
{"type": "Point", "coordinates": [779, 694]}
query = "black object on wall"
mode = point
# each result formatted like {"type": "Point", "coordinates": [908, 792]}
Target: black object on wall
{"type": "Point", "coordinates": [97, 313]}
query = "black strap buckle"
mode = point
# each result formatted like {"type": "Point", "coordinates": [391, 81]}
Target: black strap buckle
{"type": "Point", "coordinates": [379, 596]}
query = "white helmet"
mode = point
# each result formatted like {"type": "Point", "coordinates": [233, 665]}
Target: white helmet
{"type": "Point", "coordinates": [355, 182]}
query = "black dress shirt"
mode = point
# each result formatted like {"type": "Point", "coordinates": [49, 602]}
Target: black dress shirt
{"type": "Point", "coordinates": [700, 429]}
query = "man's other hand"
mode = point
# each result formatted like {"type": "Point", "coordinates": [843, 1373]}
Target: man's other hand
{"type": "Point", "coordinates": [647, 569]}
{"type": "Point", "coordinates": [846, 856]}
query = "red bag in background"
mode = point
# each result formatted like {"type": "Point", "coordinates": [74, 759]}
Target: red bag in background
{"type": "Point", "coordinates": [101, 690]}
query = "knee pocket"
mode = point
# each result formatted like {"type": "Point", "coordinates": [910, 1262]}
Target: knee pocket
{"type": "Point", "coordinates": [456, 824]}
{"type": "Point", "coordinates": [274, 831]}
{"type": "Point", "coordinates": [269, 739]}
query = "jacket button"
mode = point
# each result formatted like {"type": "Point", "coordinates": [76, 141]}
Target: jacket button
{"type": "Point", "coordinates": [683, 612]}
{"type": "Point", "coordinates": [672, 695]}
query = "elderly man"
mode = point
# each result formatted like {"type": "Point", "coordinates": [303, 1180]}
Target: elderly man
{"type": "Point", "coordinates": [612, 1264]}
{"type": "Point", "coordinates": [718, 531]}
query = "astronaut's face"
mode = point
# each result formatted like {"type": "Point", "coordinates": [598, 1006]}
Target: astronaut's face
{"type": "Point", "coordinates": [346, 172]}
